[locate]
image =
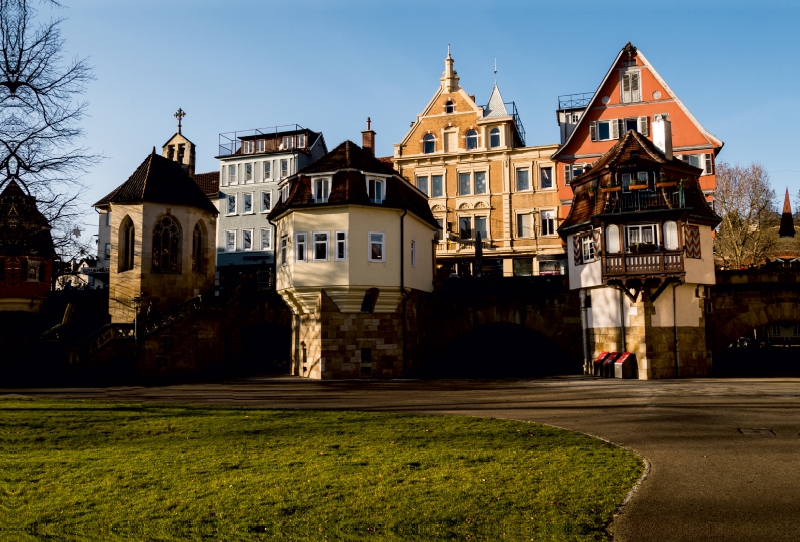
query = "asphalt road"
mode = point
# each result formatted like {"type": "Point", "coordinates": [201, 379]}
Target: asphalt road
{"type": "Point", "coordinates": [711, 477]}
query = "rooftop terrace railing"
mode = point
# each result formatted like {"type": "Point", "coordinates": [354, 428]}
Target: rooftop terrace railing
{"type": "Point", "coordinates": [575, 101]}
{"type": "Point", "coordinates": [258, 140]}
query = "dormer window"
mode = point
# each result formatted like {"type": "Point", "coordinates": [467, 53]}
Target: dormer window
{"type": "Point", "coordinates": [472, 140]}
{"type": "Point", "coordinates": [450, 107]}
{"type": "Point", "coordinates": [429, 144]}
{"type": "Point", "coordinates": [494, 137]}
{"type": "Point", "coordinates": [321, 188]}
{"type": "Point", "coordinates": [287, 143]}
{"type": "Point", "coordinates": [260, 145]}
{"type": "Point", "coordinates": [285, 193]}
{"type": "Point", "coordinates": [375, 189]}
{"type": "Point", "coordinates": [247, 147]}
{"type": "Point", "coordinates": [301, 140]}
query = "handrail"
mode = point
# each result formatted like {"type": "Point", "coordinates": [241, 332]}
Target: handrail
{"type": "Point", "coordinates": [575, 101]}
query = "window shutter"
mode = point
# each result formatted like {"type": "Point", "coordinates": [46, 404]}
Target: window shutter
{"type": "Point", "coordinates": [709, 165]}
{"type": "Point", "coordinates": [635, 95]}
{"type": "Point", "coordinates": [643, 126]}
{"type": "Point", "coordinates": [615, 128]}
{"type": "Point", "coordinates": [593, 130]}
{"type": "Point", "coordinates": [567, 174]}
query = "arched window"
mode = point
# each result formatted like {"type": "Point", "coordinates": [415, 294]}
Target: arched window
{"type": "Point", "coordinates": [612, 239]}
{"type": "Point", "coordinates": [494, 137]}
{"type": "Point", "coordinates": [198, 249]}
{"type": "Point", "coordinates": [472, 139]}
{"type": "Point", "coordinates": [127, 242]}
{"type": "Point", "coordinates": [167, 246]}
{"type": "Point", "coordinates": [429, 144]}
{"type": "Point", "coordinates": [670, 235]}
{"type": "Point", "coordinates": [449, 107]}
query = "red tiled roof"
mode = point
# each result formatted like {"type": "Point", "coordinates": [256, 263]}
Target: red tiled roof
{"type": "Point", "coordinates": [208, 182]}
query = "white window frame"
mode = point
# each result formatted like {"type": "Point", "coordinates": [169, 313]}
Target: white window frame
{"type": "Point", "coordinates": [499, 138]}
{"type": "Point", "coordinates": [260, 145]}
{"type": "Point", "coordinates": [475, 226]}
{"type": "Point", "coordinates": [314, 244]}
{"type": "Point", "coordinates": [427, 178]}
{"type": "Point", "coordinates": [228, 235]}
{"type": "Point", "coordinates": [552, 177]}
{"type": "Point", "coordinates": [475, 183]}
{"type": "Point", "coordinates": [321, 185]}
{"type": "Point", "coordinates": [471, 227]}
{"type": "Point", "coordinates": [554, 218]}
{"type": "Point", "coordinates": [228, 206]}
{"type": "Point", "coordinates": [569, 172]}
{"type": "Point", "coordinates": [266, 170]}
{"type": "Point", "coordinates": [244, 204]}
{"type": "Point", "coordinates": [413, 253]}
{"type": "Point", "coordinates": [336, 242]}
{"type": "Point", "coordinates": [629, 227]}
{"type": "Point", "coordinates": [382, 183]}
{"type": "Point", "coordinates": [301, 240]}
{"type": "Point", "coordinates": [266, 235]}
{"type": "Point", "coordinates": [444, 184]}
{"type": "Point", "coordinates": [245, 231]}
{"type": "Point", "coordinates": [285, 193]}
{"type": "Point", "coordinates": [261, 201]}
{"type": "Point", "coordinates": [516, 179]}
{"type": "Point", "coordinates": [248, 177]}
{"type": "Point", "coordinates": [284, 255]}
{"type": "Point", "coordinates": [301, 140]}
{"type": "Point", "coordinates": [631, 98]}
{"type": "Point", "coordinates": [525, 212]}
{"type": "Point", "coordinates": [382, 243]}
{"type": "Point", "coordinates": [233, 177]}
{"type": "Point", "coordinates": [588, 254]}
{"type": "Point", "coordinates": [247, 147]}
{"type": "Point", "coordinates": [284, 168]}
{"type": "Point", "coordinates": [471, 183]}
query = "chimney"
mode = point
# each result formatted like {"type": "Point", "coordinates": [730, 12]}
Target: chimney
{"type": "Point", "coordinates": [368, 139]}
{"type": "Point", "coordinates": [662, 135]}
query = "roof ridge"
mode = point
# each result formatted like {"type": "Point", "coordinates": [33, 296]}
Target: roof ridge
{"type": "Point", "coordinates": [147, 171]}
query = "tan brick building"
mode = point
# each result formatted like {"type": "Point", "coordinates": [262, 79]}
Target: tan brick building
{"type": "Point", "coordinates": [482, 180]}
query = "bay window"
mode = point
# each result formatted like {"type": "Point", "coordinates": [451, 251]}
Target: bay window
{"type": "Point", "coordinates": [300, 247]}
{"type": "Point", "coordinates": [377, 240]}
{"type": "Point", "coordinates": [639, 236]}
{"type": "Point", "coordinates": [340, 253]}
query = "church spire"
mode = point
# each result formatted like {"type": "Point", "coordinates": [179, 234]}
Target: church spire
{"type": "Point", "coordinates": [450, 76]}
{"type": "Point", "coordinates": [787, 222]}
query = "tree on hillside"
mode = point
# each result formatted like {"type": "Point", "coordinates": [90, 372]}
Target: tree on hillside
{"type": "Point", "coordinates": [40, 114]}
{"type": "Point", "coordinates": [747, 204]}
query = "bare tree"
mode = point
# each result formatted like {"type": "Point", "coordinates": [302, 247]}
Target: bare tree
{"type": "Point", "coordinates": [40, 114]}
{"type": "Point", "coordinates": [747, 204]}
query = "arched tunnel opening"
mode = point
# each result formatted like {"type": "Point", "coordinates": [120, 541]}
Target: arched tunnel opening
{"type": "Point", "coordinates": [266, 348]}
{"type": "Point", "coordinates": [768, 351]}
{"type": "Point", "coordinates": [501, 350]}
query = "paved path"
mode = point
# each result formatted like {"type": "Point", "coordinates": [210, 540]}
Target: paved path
{"type": "Point", "coordinates": [708, 481]}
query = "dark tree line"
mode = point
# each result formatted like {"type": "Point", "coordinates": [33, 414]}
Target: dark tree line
{"type": "Point", "coordinates": [40, 115]}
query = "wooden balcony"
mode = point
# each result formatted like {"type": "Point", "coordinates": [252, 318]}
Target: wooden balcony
{"type": "Point", "coordinates": [642, 266]}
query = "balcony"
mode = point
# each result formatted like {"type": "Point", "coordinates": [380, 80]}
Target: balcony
{"type": "Point", "coordinates": [461, 246]}
{"type": "Point", "coordinates": [263, 140]}
{"type": "Point", "coordinates": [642, 266]}
{"type": "Point", "coordinates": [620, 201]}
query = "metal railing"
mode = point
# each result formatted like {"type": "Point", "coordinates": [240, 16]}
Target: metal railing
{"type": "Point", "coordinates": [262, 140]}
{"type": "Point", "coordinates": [463, 244]}
{"type": "Point", "coordinates": [517, 120]}
{"type": "Point", "coordinates": [575, 101]}
{"type": "Point", "coordinates": [643, 264]}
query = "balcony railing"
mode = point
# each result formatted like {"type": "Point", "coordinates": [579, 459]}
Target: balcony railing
{"type": "Point", "coordinates": [260, 140]}
{"type": "Point", "coordinates": [644, 200]}
{"type": "Point", "coordinates": [657, 263]}
{"type": "Point", "coordinates": [575, 101]}
{"type": "Point", "coordinates": [462, 245]}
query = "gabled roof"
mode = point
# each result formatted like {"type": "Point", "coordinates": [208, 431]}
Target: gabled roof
{"type": "Point", "coordinates": [348, 166]}
{"type": "Point", "coordinates": [597, 97]}
{"type": "Point", "coordinates": [159, 180]}
{"type": "Point", "coordinates": [24, 230]}
{"type": "Point", "coordinates": [496, 108]}
{"type": "Point", "coordinates": [208, 182]}
{"type": "Point", "coordinates": [632, 150]}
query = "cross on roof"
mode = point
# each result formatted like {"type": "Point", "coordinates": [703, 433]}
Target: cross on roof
{"type": "Point", "coordinates": [179, 115]}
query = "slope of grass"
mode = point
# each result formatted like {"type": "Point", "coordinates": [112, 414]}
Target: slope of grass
{"type": "Point", "coordinates": [89, 471]}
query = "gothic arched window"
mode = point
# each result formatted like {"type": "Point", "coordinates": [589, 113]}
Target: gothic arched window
{"type": "Point", "coordinates": [197, 249]}
{"type": "Point", "coordinates": [127, 239]}
{"type": "Point", "coordinates": [167, 246]}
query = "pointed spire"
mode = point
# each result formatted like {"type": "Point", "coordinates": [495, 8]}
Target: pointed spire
{"type": "Point", "coordinates": [787, 222]}
{"type": "Point", "coordinates": [450, 76]}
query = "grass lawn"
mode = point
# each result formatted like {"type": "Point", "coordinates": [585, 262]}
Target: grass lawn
{"type": "Point", "coordinates": [80, 470]}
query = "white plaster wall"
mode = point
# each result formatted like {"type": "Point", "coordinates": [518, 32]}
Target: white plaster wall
{"type": "Point", "coordinates": [604, 311]}
{"type": "Point", "coordinates": [687, 307]}
{"type": "Point", "coordinates": [701, 271]}
{"type": "Point", "coordinates": [582, 275]}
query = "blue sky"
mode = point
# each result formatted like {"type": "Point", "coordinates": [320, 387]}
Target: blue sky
{"type": "Point", "coordinates": [239, 64]}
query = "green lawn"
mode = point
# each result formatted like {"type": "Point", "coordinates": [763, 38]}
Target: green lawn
{"type": "Point", "coordinates": [80, 470]}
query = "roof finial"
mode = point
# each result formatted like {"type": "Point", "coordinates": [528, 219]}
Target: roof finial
{"type": "Point", "coordinates": [448, 50]}
{"type": "Point", "coordinates": [495, 71]}
{"type": "Point", "coordinates": [179, 115]}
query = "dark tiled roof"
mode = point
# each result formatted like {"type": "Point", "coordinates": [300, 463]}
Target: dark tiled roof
{"type": "Point", "coordinates": [159, 180]}
{"type": "Point", "coordinates": [633, 150]}
{"type": "Point", "coordinates": [208, 182]}
{"type": "Point", "coordinates": [347, 163]}
{"type": "Point", "coordinates": [348, 155]}
{"type": "Point", "coordinates": [24, 231]}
